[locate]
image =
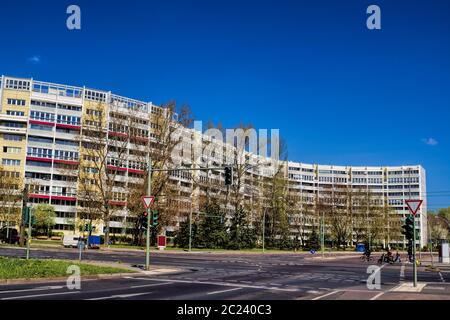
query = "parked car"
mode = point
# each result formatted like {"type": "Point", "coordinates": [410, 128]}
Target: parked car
{"type": "Point", "coordinates": [71, 241]}
{"type": "Point", "coordinates": [13, 236]}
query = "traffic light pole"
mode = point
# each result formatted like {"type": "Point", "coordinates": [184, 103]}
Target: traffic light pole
{"type": "Point", "coordinates": [190, 229]}
{"type": "Point", "coordinates": [149, 192]}
{"type": "Point", "coordinates": [29, 232]}
{"type": "Point", "coordinates": [414, 251]}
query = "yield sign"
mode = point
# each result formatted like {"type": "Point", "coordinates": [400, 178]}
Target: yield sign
{"type": "Point", "coordinates": [147, 201]}
{"type": "Point", "coordinates": [414, 205]}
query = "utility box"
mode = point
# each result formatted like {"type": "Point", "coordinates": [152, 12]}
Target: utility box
{"type": "Point", "coordinates": [444, 256]}
{"type": "Point", "coordinates": [162, 242]}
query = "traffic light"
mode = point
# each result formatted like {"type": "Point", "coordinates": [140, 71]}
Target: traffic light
{"type": "Point", "coordinates": [25, 215]}
{"type": "Point", "coordinates": [155, 218]}
{"type": "Point", "coordinates": [228, 176]}
{"type": "Point", "coordinates": [144, 221]}
{"type": "Point", "coordinates": [408, 227]}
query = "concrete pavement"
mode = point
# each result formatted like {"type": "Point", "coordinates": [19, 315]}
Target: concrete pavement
{"type": "Point", "coordinates": [236, 277]}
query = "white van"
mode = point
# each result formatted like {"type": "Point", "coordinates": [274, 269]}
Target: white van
{"type": "Point", "coordinates": [71, 241]}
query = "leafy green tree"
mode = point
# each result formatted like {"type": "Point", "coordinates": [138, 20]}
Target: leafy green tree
{"type": "Point", "coordinates": [45, 217]}
{"type": "Point", "coordinates": [212, 229]}
{"type": "Point", "coordinates": [313, 241]}
{"type": "Point", "coordinates": [242, 235]}
{"type": "Point", "coordinates": [182, 236]}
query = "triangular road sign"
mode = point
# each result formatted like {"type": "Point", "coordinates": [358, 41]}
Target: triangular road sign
{"type": "Point", "coordinates": [147, 201]}
{"type": "Point", "coordinates": [414, 205]}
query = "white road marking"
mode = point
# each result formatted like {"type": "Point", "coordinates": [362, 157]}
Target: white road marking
{"type": "Point", "coordinates": [222, 291]}
{"type": "Point", "coordinates": [33, 289]}
{"type": "Point", "coordinates": [226, 284]}
{"type": "Point", "coordinates": [325, 295]}
{"type": "Point", "coordinates": [121, 296]}
{"type": "Point", "coordinates": [151, 285]}
{"type": "Point", "coordinates": [402, 273]}
{"type": "Point", "coordinates": [377, 296]}
{"type": "Point", "coordinates": [434, 288]}
{"type": "Point", "coordinates": [40, 295]}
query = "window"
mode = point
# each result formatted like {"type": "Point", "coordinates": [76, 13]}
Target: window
{"type": "Point", "coordinates": [10, 162]}
{"type": "Point", "coordinates": [39, 164]}
{"type": "Point", "coordinates": [66, 155]}
{"type": "Point", "coordinates": [12, 137]}
{"type": "Point", "coordinates": [41, 127]}
{"type": "Point", "coordinates": [36, 175]}
{"type": "Point", "coordinates": [69, 107]}
{"type": "Point", "coordinates": [12, 150]}
{"type": "Point", "coordinates": [43, 104]}
{"type": "Point", "coordinates": [95, 96]}
{"type": "Point", "coordinates": [13, 124]}
{"type": "Point", "coordinates": [95, 113]}
{"type": "Point", "coordinates": [15, 113]}
{"type": "Point", "coordinates": [16, 102]}
{"type": "Point", "coordinates": [64, 119]}
{"type": "Point", "coordinates": [38, 115]}
{"type": "Point", "coordinates": [39, 152]}
{"type": "Point", "coordinates": [67, 142]}
{"type": "Point", "coordinates": [90, 170]}
{"type": "Point", "coordinates": [40, 139]}
{"type": "Point", "coordinates": [17, 84]}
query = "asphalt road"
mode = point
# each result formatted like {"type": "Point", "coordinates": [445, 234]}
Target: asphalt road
{"type": "Point", "coordinates": [206, 276]}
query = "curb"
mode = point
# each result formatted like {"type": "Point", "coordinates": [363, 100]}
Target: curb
{"type": "Point", "coordinates": [59, 279]}
{"type": "Point", "coordinates": [92, 277]}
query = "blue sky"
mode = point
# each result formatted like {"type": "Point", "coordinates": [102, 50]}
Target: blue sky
{"type": "Point", "coordinates": [338, 92]}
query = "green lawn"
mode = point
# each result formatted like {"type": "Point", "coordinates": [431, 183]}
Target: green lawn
{"type": "Point", "coordinates": [14, 268]}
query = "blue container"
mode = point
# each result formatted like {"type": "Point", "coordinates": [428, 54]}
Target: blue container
{"type": "Point", "coordinates": [94, 241]}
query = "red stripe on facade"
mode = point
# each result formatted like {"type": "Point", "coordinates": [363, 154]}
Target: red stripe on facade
{"type": "Point", "coordinates": [118, 134]}
{"type": "Point", "coordinates": [136, 171]}
{"type": "Point", "coordinates": [116, 168]}
{"type": "Point", "coordinates": [44, 123]}
{"type": "Point", "coordinates": [64, 198]}
{"type": "Point", "coordinates": [68, 126]}
{"type": "Point", "coordinates": [39, 159]}
{"type": "Point", "coordinates": [140, 138]}
{"type": "Point", "coordinates": [66, 161]}
{"type": "Point", "coordinates": [38, 196]}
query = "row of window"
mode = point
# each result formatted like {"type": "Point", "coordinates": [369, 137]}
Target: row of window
{"type": "Point", "coordinates": [15, 113]}
{"type": "Point", "coordinates": [12, 149]}
{"type": "Point", "coordinates": [15, 102]}
{"type": "Point", "coordinates": [10, 162]}
{"type": "Point", "coordinates": [17, 84]}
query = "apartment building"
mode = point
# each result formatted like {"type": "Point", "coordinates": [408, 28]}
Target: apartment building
{"type": "Point", "coordinates": [47, 131]}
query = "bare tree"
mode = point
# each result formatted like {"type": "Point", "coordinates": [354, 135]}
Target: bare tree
{"type": "Point", "coordinates": [10, 197]}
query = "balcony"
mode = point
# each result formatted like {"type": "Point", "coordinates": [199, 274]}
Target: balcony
{"type": "Point", "coordinates": [68, 196]}
{"type": "Point", "coordinates": [8, 117]}
{"type": "Point", "coordinates": [6, 129]}
{"type": "Point", "coordinates": [39, 157]}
